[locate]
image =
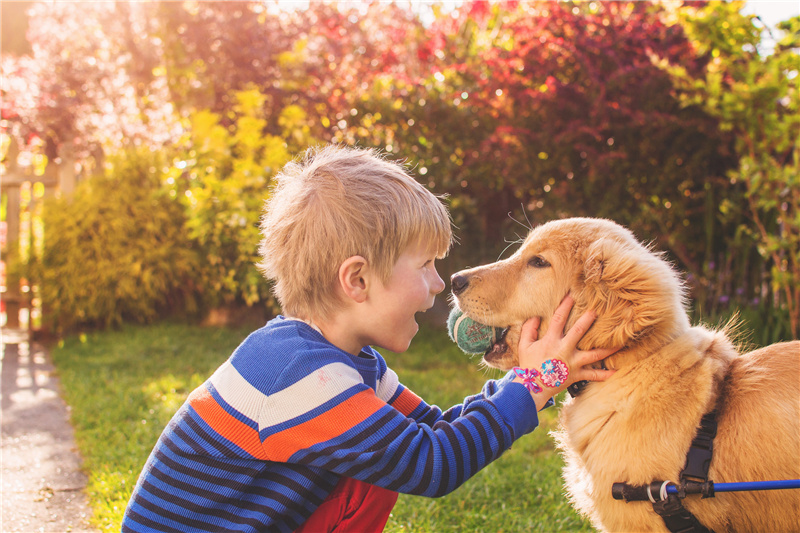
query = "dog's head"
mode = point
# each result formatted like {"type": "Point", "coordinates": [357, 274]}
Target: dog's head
{"type": "Point", "coordinates": [636, 294]}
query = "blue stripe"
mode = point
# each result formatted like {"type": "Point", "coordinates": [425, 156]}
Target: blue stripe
{"type": "Point", "coordinates": [228, 516]}
{"type": "Point", "coordinates": [422, 409]}
{"type": "Point", "coordinates": [486, 421]}
{"type": "Point", "coordinates": [397, 392]}
{"type": "Point", "coordinates": [235, 484]}
{"type": "Point", "coordinates": [145, 505]}
{"type": "Point", "coordinates": [409, 477]}
{"type": "Point", "coordinates": [457, 445]}
{"type": "Point", "coordinates": [135, 522]}
{"type": "Point", "coordinates": [427, 478]}
{"type": "Point", "coordinates": [466, 431]}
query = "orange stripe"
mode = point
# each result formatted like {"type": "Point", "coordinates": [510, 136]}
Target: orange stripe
{"type": "Point", "coordinates": [406, 402]}
{"type": "Point", "coordinates": [324, 427]}
{"type": "Point", "coordinates": [225, 424]}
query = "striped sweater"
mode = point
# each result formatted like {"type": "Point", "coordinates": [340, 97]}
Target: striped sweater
{"type": "Point", "coordinates": [265, 439]}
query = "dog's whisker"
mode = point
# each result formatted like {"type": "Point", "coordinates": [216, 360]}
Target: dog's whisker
{"type": "Point", "coordinates": [529, 226]}
{"type": "Point", "coordinates": [507, 247]}
{"type": "Point", "coordinates": [484, 368]}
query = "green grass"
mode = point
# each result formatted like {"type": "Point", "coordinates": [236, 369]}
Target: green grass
{"type": "Point", "coordinates": [124, 386]}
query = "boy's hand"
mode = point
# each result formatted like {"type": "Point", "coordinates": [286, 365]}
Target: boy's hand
{"type": "Point", "coordinates": [561, 351]}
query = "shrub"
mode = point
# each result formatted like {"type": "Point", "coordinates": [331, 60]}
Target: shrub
{"type": "Point", "coordinates": [116, 250]}
{"type": "Point", "coordinates": [220, 175]}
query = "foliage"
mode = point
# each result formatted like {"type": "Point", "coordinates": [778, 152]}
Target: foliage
{"type": "Point", "coordinates": [321, 58]}
{"type": "Point", "coordinates": [757, 98]}
{"type": "Point", "coordinates": [213, 49]}
{"type": "Point", "coordinates": [141, 376]}
{"type": "Point", "coordinates": [116, 251]}
{"type": "Point", "coordinates": [90, 84]}
{"type": "Point", "coordinates": [221, 178]}
{"type": "Point", "coordinates": [750, 326]}
{"type": "Point", "coordinates": [552, 109]}
{"type": "Point", "coordinates": [519, 111]}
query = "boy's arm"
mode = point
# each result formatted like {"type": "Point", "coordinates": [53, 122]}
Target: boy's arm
{"type": "Point", "coordinates": [356, 434]}
{"type": "Point", "coordinates": [404, 400]}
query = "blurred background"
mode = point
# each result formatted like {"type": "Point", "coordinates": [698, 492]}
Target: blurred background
{"type": "Point", "coordinates": [138, 140]}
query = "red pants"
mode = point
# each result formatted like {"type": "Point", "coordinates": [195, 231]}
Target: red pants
{"type": "Point", "coordinates": [352, 507]}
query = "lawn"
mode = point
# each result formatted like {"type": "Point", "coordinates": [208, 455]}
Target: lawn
{"type": "Point", "coordinates": [123, 387]}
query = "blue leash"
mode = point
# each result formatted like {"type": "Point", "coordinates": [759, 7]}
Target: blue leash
{"type": "Point", "coordinates": [659, 490]}
{"type": "Point", "coordinates": [748, 485]}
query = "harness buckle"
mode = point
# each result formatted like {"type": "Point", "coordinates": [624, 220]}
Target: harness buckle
{"type": "Point", "coordinates": [698, 461]}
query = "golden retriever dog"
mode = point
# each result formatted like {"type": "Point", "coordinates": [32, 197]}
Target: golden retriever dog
{"type": "Point", "coordinates": [637, 426]}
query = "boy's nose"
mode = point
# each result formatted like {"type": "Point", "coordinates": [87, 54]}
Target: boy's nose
{"type": "Point", "coordinates": [438, 285]}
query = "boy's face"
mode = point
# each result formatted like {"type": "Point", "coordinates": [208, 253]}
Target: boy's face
{"type": "Point", "coordinates": [411, 289]}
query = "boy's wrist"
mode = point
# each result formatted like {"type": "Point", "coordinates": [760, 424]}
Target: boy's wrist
{"type": "Point", "coordinates": [514, 404]}
{"type": "Point", "coordinates": [542, 398]}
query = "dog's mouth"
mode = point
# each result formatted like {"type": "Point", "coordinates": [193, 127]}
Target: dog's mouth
{"type": "Point", "coordinates": [498, 349]}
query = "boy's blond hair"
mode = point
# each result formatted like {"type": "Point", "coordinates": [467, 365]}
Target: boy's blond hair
{"type": "Point", "coordinates": [334, 203]}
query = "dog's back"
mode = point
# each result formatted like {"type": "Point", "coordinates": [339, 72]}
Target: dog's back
{"type": "Point", "coordinates": [758, 439]}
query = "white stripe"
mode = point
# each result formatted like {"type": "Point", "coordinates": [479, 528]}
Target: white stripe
{"type": "Point", "coordinates": [237, 391]}
{"type": "Point", "coordinates": [387, 385]}
{"type": "Point", "coordinates": [456, 325]}
{"type": "Point", "coordinates": [322, 385]}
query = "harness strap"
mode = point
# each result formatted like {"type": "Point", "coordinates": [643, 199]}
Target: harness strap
{"type": "Point", "coordinates": [676, 517]}
{"type": "Point", "coordinates": [698, 459]}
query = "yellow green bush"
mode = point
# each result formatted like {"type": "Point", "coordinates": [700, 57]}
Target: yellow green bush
{"type": "Point", "coordinates": [116, 250]}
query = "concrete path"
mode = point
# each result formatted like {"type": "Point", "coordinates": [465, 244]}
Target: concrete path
{"type": "Point", "coordinates": [41, 483]}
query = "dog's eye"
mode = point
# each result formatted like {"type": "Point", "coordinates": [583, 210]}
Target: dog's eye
{"type": "Point", "coordinates": [538, 262]}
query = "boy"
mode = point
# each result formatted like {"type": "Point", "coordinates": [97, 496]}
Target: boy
{"type": "Point", "coordinates": [305, 428]}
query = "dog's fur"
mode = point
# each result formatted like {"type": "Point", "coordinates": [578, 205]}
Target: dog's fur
{"type": "Point", "coordinates": [637, 426]}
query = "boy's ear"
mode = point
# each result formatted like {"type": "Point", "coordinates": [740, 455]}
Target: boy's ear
{"type": "Point", "coordinates": [353, 278]}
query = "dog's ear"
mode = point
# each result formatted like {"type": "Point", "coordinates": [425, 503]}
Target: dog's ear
{"type": "Point", "coordinates": [624, 284]}
{"type": "Point", "coordinates": [594, 263]}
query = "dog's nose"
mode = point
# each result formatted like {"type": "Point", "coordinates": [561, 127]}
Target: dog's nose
{"type": "Point", "coordinates": [458, 283]}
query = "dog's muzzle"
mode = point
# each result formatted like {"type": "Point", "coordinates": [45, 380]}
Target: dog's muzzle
{"type": "Point", "coordinates": [458, 283]}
